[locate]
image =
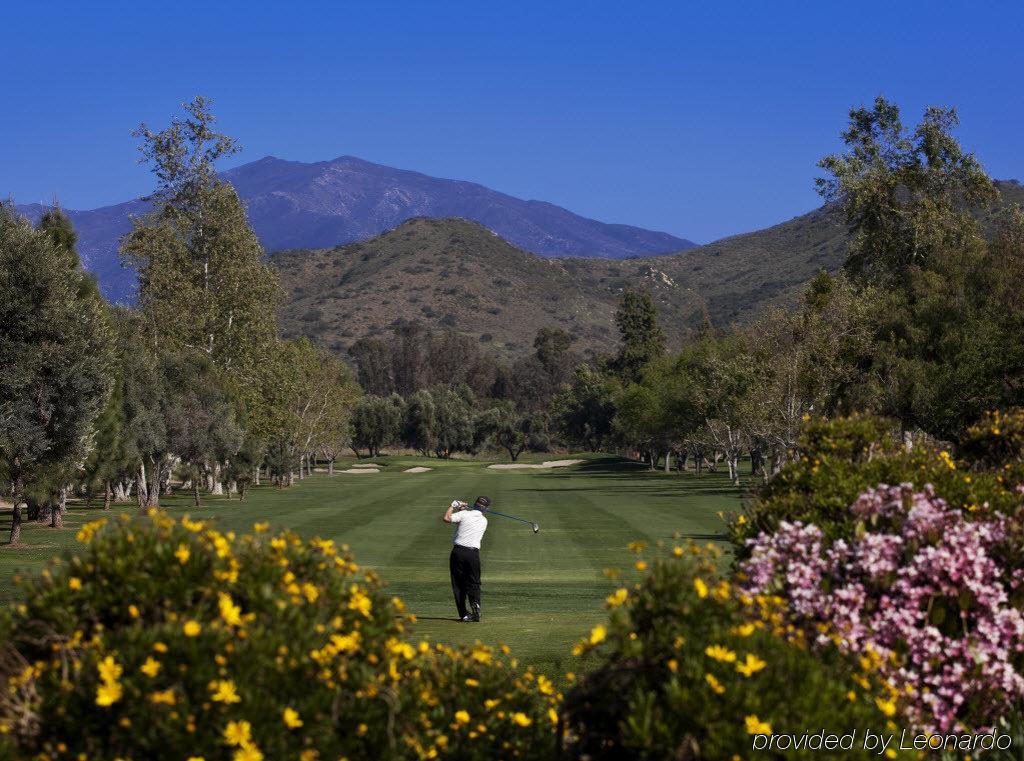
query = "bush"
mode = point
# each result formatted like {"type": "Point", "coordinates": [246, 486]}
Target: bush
{"type": "Point", "coordinates": [690, 668]}
{"type": "Point", "coordinates": [996, 441]}
{"type": "Point", "coordinates": [933, 598]}
{"type": "Point", "coordinates": [168, 639]}
{"type": "Point", "coordinates": [841, 458]}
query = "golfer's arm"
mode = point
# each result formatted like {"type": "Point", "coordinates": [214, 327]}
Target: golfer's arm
{"type": "Point", "coordinates": [448, 515]}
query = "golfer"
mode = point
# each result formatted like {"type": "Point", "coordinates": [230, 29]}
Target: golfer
{"type": "Point", "coordinates": [464, 562]}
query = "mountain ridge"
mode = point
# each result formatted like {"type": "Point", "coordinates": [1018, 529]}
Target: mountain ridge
{"type": "Point", "coordinates": [294, 204]}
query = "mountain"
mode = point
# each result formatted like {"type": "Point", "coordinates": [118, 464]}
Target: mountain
{"type": "Point", "coordinates": [460, 275]}
{"type": "Point", "coordinates": [456, 274]}
{"type": "Point", "coordinates": [293, 204]}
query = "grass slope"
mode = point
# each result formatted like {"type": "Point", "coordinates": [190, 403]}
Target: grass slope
{"type": "Point", "coordinates": [540, 592]}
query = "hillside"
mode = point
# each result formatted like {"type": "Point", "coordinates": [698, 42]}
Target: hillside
{"type": "Point", "coordinates": [292, 204]}
{"type": "Point", "coordinates": [460, 275]}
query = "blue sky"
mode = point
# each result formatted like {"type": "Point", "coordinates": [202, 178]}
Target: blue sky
{"type": "Point", "coordinates": [698, 119]}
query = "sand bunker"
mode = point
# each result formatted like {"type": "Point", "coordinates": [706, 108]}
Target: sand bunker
{"type": "Point", "coordinates": [548, 464]}
{"type": "Point", "coordinates": [360, 470]}
{"type": "Point", "coordinates": [417, 469]}
{"type": "Point", "coordinates": [367, 465]}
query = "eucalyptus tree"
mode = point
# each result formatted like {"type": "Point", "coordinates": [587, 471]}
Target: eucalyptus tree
{"type": "Point", "coordinates": [55, 357]}
{"type": "Point", "coordinates": [204, 287]}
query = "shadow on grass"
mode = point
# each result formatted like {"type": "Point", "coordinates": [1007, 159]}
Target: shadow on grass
{"type": "Point", "coordinates": [438, 618]}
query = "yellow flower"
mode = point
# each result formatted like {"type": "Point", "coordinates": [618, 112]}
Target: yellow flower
{"type": "Point", "coordinates": [165, 696]}
{"type": "Point", "coordinates": [231, 613]}
{"type": "Point", "coordinates": [757, 727]}
{"type": "Point", "coordinates": [462, 717]}
{"type": "Point", "coordinates": [720, 653]}
{"type": "Point", "coordinates": [160, 647]}
{"type": "Point", "coordinates": [597, 634]}
{"type": "Point", "coordinates": [677, 551]}
{"type": "Point", "coordinates": [553, 715]}
{"type": "Point", "coordinates": [714, 684]}
{"type": "Point", "coordinates": [192, 628]}
{"type": "Point", "coordinates": [259, 528]}
{"type": "Point", "coordinates": [247, 753]}
{"type": "Point", "coordinates": [617, 598]}
{"type": "Point", "coordinates": [108, 693]}
{"type": "Point", "coordinates": [359, 601]}
{"type": "Point", "coordinates": [640, 565]}
{"type": "Point", "coordinates": [471, 682]}
{"type": "Point", "coordinates": [309, 755]}
{"type": "Point", "coordinates": [544, 685]}
{"type": "Point", "coordinates": [224, 692]}
{"type": "Point", "coordinates": [75, 583]}
{"type": "Point", "coordinates": [150, 668]}
{"type": "Point", "coordinates": [182, 554]}
{"type": "Point", "coordinates": [196, 758]}
{"type": "Point", "coordinates": [521, 719]}
{"type": "Point", "coordinates": [888, 707]}
{"type": "Point", "coordinates": [291, 718]}
{"type": "Point", "coordinates": [701, 587]}
{"type": "Point", "coordinates": [751, 665]}
{"type": "Point", "coordinates": [673, 665]}
{"type": "Point", "coordinates": [238, 733]}
{"type": "Point", "coordinates": [109, 669]}
{"type": "Point", "coordinates": [743, 630]}
{"type": "Point", "coordinates": [636, 546]}
{"type": "Point", "coordinates": [133, 611]}
{"type": "Point", "coordinates": [311, 592]}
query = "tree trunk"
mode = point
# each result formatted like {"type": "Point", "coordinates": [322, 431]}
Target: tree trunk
{"type": "Point", "coordinates": [256, 474]}
{"type": "Point", "coordinates": [218, 487]}
{"type": "Point", "coordinates": [56, 516]}
{"type": "Point", "coordinates": [241, 492]}
{"type": "Point", "coordinates": [668, 461]}
{"type": "Point", "coordinates": [140, 486]}
{"type": "Point", "coordinates": [195, 491]}
{"type": "Point", "coordinates": [302, 466]}
{"type": "Point", "coordinates": [106, 494]}
{"type": "Point", "coordinates": [16, 521]}
{"type": "Point", "coordinates": [120, 492]}
{"type": "Point", "coordinates": [330, 467]}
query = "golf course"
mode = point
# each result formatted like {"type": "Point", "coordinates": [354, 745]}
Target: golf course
{"type": "Point", "coordinates": [541, 592]}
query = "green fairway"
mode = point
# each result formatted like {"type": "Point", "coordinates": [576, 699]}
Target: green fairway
{"type": "Point", "coordinates": [540, 592]}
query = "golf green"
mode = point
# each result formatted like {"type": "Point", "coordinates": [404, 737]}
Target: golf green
{"type": "Point", "coordinates": [541, 592]}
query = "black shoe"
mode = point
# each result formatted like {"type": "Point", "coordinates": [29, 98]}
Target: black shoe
{"type": "Point", "coordinates": [476, 613]}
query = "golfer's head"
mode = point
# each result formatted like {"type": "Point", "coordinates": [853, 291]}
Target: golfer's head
{"type": "Point", "coordinates": [482, 503]}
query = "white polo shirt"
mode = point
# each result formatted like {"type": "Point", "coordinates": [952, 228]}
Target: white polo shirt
{"type": "Point", "coordinates": [470, 526]}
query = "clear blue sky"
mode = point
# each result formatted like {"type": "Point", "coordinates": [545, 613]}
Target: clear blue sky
{"type": "Point", "coordinates": [701, 120]}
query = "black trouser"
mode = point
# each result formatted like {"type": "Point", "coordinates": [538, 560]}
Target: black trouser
{"type": "Point", "coordinates": [464, 565]}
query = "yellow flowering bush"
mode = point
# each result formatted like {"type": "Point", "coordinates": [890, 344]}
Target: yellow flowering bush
{"type": "Point", "coordinates": [690, 667]}
{"type": "Point", "coordinates": [170, 639]}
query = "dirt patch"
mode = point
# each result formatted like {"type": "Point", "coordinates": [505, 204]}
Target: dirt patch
{"type": "Point", "coordinates": [360, 470]}
{"type": "Point", "coordinates": [534, 466]}
{"type": "Point", "coordinates": [417, 469]}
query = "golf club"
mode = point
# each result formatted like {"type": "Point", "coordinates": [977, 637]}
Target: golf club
{"type": "Point", "coordinates": [534, 526]}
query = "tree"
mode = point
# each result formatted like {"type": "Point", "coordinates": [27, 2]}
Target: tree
{"type": "Point", "coordinates": [372, 358]}
{"type": "Point", "coordinates": [906, 196]}
{"type": "Point", "coordinates": [376, 422]}
{"type": "Point", "coordinates": [513, 431]}
{"type": "Point", "coordinates": [418, 422]}
{"type": "Point", "coordinates": [453, 420]}
{"type": "Point", "coordinates": [204, 288]}
{"type": "Point", "coordinates": [55, 341]}
{"type": "Point", "coordinates": [583, 410]}
{"type": "Point", "coordinates": [641, 338]}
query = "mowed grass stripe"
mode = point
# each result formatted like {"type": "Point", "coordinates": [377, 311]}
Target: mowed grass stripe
{"type": "Point", "coordinates": [540, 592]}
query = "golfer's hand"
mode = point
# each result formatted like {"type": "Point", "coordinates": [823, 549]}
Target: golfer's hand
{"type": "Point", "coordinates": [456, 504]}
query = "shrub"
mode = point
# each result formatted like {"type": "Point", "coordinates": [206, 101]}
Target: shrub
{"type": "Point", "coordinates": [840, 459]}
{"type": "Point", "coordinates": [996, 441]}
{"type": "Point", "coordinates": [933, 598]}
{"type": "Point", "coordinates": [690, 668]}
{"type": "Point", "coordinates": [168, 639]}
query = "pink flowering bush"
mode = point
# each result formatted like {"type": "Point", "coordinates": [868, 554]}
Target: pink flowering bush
{"type": "Point", "coordinates": [934, 599]}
